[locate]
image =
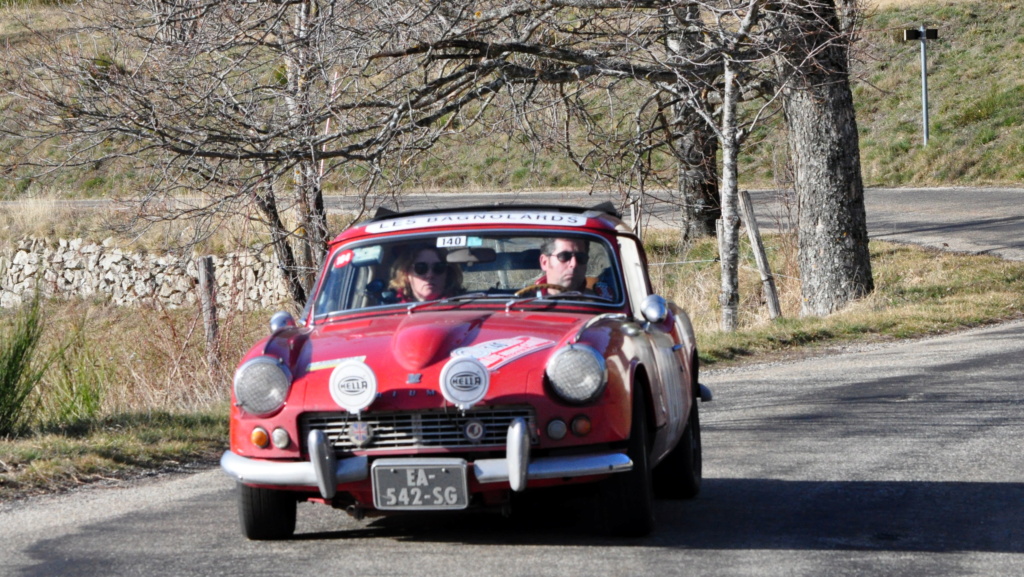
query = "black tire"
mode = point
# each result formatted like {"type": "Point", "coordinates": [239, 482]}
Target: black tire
{"type": "Point", "coordinates": [627, 499]}
{"type": "Point", "coordinates": [679, 475]}
{"type": "Point", "coordinates": [266, 514]}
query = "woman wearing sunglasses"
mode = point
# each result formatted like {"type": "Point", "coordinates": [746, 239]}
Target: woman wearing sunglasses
{"type": "Point", "coordinates": [421, 274]}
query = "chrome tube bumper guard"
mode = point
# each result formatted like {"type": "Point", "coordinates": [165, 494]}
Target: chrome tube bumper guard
{"type": "Point", "coordinates": [326, 472]}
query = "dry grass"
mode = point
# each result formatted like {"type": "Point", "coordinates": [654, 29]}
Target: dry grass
{"type": "Point", "coordinates": [149, 358]}
{"type": "Point", "coordinates": [689, 276]}
{"type": "Point", "coordinates": [19, 18]}
{"type": "Point", "coordinates": [899, 4]}
{"type": "Point", "coordinates": [884, 4]}
{"type": "Point", "coordinates": [50, 217]}
{"type": "Point", "coordinates": [918, 292]}
{"type": "Point", "coordinates": [118, 447]}
{"type": "Point", "coordinates": [127, 390]}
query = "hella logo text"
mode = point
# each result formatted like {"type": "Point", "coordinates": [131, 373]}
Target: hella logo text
{"type": "Point", "coordinates": [466, 381]}
{"type": "Point", "coordinates": [353, 385]}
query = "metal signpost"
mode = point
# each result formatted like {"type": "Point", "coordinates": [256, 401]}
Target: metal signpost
{"type": "Point", "coordinates": [923, 34]}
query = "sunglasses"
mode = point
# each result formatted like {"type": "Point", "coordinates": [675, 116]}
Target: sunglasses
{"type": "Point", "coordinates": [566, 256]}
{"type": "Point", "coordinates": [421, 268]}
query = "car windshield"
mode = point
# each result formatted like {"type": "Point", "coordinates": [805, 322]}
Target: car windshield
{"type": "Point", "coordinates": [465, 267]}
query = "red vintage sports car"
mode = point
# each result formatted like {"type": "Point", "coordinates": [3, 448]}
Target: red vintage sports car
{"type": "Point", "coordinates": [447, 359]}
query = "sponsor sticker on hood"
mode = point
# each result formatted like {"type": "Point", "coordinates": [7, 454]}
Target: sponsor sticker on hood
{"type": "Point", "coordinates": [330, 364]}
{"type": "Point", "coordinates": [493, 354]}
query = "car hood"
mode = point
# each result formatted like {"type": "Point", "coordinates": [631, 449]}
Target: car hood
{"type": "Point", "coordinates": [414, 342]}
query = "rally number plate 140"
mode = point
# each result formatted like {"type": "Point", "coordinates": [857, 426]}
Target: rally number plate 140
{"type": "Point", "coordinates": [419, 484]}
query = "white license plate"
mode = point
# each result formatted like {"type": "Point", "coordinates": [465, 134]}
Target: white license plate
{"type": "Point", "coordinates": [419, 484]}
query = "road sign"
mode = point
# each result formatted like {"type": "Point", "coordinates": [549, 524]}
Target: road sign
{"type": "Point", "coordinates": [915, 34]}
{"type": "Point", "coordinates": [922, 34]}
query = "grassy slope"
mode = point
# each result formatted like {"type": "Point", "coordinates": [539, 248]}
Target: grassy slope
{"type": "Point", "coordinates": [976, 96]}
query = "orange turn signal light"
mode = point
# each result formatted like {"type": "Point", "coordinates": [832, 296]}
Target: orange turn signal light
{"type": "Point", "coordinates": [581, 426]}
{"type": "Point", "coordinates": [259, 437]}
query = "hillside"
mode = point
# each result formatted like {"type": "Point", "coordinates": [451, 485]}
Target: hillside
{"type": "Point", "coordinates": [976, 107]}
{"type": "Point", "coordinates": [976, 96]}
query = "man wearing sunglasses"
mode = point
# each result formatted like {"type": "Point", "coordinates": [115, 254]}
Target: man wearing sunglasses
{"type": "Point", "coordinates": [564, 262]}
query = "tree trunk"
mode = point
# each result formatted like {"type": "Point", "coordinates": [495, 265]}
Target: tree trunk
{"type": "Point", "coordinates": [696, 145]}
{"type": "Point", "coordinates": [263, 194]}
{"type": "Point", "coordinates": [698, 180]}
{"type": "Point", "coordinates": [835, 266]}
{"type": "Point", "coordinates": [313, 222]}
{"type": "Point", "coordinates": [300, 64]}
{"type": "Point", "coordinates": [729, 233]}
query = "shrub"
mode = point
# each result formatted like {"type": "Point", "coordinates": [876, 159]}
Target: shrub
{"type": "Point", "coordinates": [19, 375]}
{"type": "Point", "coordinates": [75, 392]}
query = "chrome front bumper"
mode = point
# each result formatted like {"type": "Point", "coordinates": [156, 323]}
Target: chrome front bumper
{"type": "Point", "coordinates": [326, 473]}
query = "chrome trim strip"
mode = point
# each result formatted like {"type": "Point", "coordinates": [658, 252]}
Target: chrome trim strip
{"type": "Point", "coordinates": [497, 470]}
{"type": "Point", "coordinates": [350, 470]}
{"type": "Point", "coordinates": [292, 473]}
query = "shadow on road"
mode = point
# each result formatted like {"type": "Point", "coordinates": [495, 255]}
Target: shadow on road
{"type": "Point", "coordinates": [758, 514]}
{"type": "Point", "coordinates": [877, 515]}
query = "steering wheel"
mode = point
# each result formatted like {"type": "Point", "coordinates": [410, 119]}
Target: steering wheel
{"type": "Point", "coordinates": [541, 285]}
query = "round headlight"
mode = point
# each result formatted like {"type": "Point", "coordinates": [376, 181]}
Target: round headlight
{"type": "Point", "coordinates": [261, 385]}
{"type": "Point", "coordinates": [577, 373]}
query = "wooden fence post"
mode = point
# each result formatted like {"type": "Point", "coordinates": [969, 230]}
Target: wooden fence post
{"type": "Point", "coordinates": [772, 296]}
{"type": "Point", "coordinates": [208, 300]}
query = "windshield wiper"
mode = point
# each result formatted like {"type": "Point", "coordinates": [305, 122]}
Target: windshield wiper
{"type": "Point", "coordinates": [577, 295]}
{"type": "Point", "coordinates": [474, 295]}
{"type": "Point", "coordinates": [463, 297]}
{"type": "Point", "coordinates": [519, 301]}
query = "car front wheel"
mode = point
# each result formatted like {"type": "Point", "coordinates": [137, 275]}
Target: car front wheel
{"type": "Point", "coordinates": [266, 514]}
{"type": "Point", "coordinates": [627, 499]}
{"type": "Point", "coordinates": [679, 475]}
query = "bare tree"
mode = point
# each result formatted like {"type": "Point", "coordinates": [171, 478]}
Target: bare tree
{"type": "Point", "coordinates": [247, 100]}
{"type": "Point", "coordinates": [566, 53]}
{"type": "Point", "coordinates": [699, 60]}
{"type": "Point", "coordinates": [236, 107]}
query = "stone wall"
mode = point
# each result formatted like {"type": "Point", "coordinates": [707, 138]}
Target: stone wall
{"type": "Point", "coordinates": [75, 268]}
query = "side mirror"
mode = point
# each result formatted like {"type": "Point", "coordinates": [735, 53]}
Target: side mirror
{"type": "Point", "coordinates": [281, 320]}
{"type": "Point", "coordinates": [654, 309]}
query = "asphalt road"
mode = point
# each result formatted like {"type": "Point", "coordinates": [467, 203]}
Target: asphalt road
{"type": "Point", "coordinates": [898, 459]}
{"type": "Point", "coordinates": [974, 220]}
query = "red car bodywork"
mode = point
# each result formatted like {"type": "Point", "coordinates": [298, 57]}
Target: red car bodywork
{"type": "Point", "coordinates": [407, 348]}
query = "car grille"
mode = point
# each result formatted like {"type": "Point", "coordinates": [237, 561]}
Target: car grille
{"type": "Point", "coordinates": [417, 430]}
